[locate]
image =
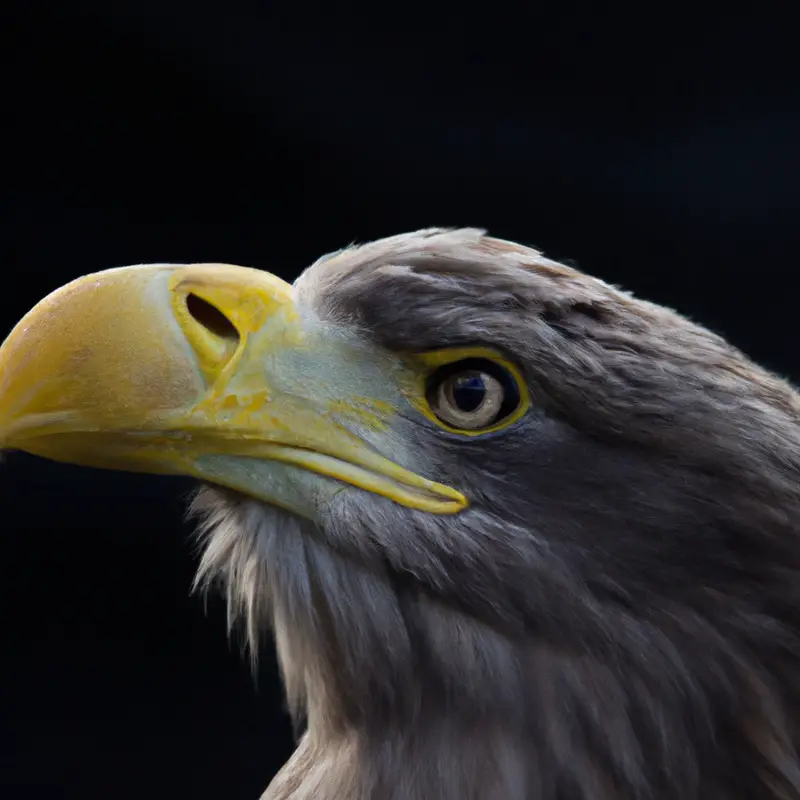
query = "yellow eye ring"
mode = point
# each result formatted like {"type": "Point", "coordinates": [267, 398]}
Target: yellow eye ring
{"type": "Point", "coordinates": [470, 391]}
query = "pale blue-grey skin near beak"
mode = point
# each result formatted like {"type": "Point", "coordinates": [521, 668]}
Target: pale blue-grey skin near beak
{"type": "Point", "coordinates": [217, 372]}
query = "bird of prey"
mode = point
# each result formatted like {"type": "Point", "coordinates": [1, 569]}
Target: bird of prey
{"type": "Point", "coordinates": [518, 534]}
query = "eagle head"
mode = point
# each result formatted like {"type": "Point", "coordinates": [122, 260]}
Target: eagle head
{"type": "Point", "coordinates": [518, 535]}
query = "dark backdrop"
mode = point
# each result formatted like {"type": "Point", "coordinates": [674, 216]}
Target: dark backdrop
{"type": "Point", "coordinates": [657, 151]}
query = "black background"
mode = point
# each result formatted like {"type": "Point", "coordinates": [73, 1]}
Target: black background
{"type": "Point", "coordinates": [658, 150]}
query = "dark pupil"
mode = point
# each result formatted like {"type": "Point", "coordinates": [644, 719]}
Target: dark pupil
{"type": "Point", "coordinates": [469, 392]}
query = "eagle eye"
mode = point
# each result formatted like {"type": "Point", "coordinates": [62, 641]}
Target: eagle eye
{"type": "Point", "coordinates": [473, 394]}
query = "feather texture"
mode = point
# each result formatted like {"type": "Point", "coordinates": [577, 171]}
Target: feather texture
{"type": "Point", "coordinates": [617, 614]}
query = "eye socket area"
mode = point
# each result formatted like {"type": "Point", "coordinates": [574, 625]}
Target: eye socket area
{"type": "Point", "coordinates": [474, 395]}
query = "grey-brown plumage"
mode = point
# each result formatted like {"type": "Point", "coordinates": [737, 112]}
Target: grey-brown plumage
{"type": "Point", "coordinates": [615, 616]}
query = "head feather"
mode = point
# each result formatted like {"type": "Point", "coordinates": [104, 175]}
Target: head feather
{"type": "Point", "coordinates": [617, 615]}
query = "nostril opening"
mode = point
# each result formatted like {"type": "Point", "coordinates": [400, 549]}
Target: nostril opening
{"type": "Point", "coordinates": [211, 318]}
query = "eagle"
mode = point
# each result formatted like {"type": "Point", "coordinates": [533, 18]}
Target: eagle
{"type": "Point", "coordinates": [518, 535]}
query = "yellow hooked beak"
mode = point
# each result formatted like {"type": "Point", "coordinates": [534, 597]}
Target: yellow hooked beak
{"type": "Point", "coordinates": [211, 371]}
